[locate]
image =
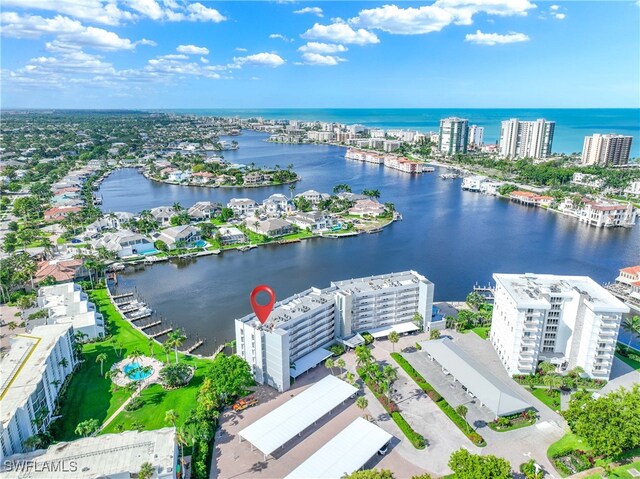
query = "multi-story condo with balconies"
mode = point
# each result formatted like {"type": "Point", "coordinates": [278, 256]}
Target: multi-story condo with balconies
{"type": "Point", "coordinates": [453, 135]}
{"type": "Point", "coordinates": [606, 150]}
{"type": "Point", "coordinates": [526, 139]}
{"type": "Point", "coordinates": [32, 374]}
{"type": "Point", "coordinates": [67, 303]}
{"type": "Point", "coordinates": [567, 320]}
{"type": "Point", "coordinates": [294, 337]}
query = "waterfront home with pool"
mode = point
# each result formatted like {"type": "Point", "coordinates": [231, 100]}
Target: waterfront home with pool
{"type": "Point", "coordinates": [300, 328]}
{"type": "Point", "coordinates": [125, 243]}
{"type": "Point", "coordinates": [176, 236]}
{"type": "Point", "coordinates": [242, 206]}
{"type": "Point", "coordinates": [272, 227]}
{"type": "Point", "coordinates": [231, 236]}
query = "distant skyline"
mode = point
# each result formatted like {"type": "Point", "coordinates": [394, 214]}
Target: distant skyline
{"type": "Point", "coordinates": [164, 54]}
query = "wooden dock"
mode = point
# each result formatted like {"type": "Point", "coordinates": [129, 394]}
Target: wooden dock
{"type": "Point", "coordinates": [195, 346]}
{"type": "Point", "coordinates": [130, 309]}
{"type": "Point", "coordinates": [164, 331]}
{"type": "Point", "coordinates": [142, 316]}
{"type": "Point", "coordinates": [150, 325]}
{"type": "Point", "coordinates": [124, 295]}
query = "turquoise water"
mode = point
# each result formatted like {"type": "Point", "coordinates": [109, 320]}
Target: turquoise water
{"type": "Point", "coordinates": [200, 244]}
{"type": "Point", "coordinates": [133, 372]}
{"type": "Point", "coordinates": [150, 252]}
{"type": "Point", "coordinates": [572, 125]}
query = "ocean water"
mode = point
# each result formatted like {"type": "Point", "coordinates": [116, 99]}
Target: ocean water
{"type": "Point", "coordinates": [572, 125]}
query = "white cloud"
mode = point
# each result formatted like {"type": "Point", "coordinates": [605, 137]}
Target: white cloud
{"type": "Point", "coordinates": [198, 12]}
{"type": "Point", "coordinates": [96, 11]}
{"type": "Point", "coordinates": [204, 60]}
{"type": "Point", "coordinates": [172, 11]}
{"type": "Point", "coordinates": [405, 21]}
{"type": "Point", "coordinates": [192, 50]}
{"type": "Point", "coordinates": [65, 30]}
{"type": "Point", "coordinates": [554, 7]}
{"type": "Point", "coordinates": [495, 38]}
{"type": "Point", "coordinates": [560, 16]}
{"type": "Point", "coordinates": [340, 33]}
{"type": "Point", "coordinates": [321, 60]}
{"type": "Point", "coordinates": [323, 48]}
{"type": "Point", "coordinates": [240, 49]}
{"type": "Point", "coordinates": [262, 59]}
{"type": "Point", "coordinates": [313, 10]}
{"type": "Point", "coordinates": [280, 36]}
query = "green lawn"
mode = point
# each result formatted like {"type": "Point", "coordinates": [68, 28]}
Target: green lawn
{"type": "Point", "coordinates": [482, 331]}
{"type": "Point", "coordinates": [552, 401]}
{"type": "Point", "coordinates": [631, 362]}
{"type": "Point", "coordinates": [568, 442]}
{"type": "Point", "coordinates": [90, 394]}
{"type": "Point", "coordinates": [619, 472]}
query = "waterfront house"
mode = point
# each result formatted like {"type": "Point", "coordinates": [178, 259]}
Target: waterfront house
{"type": "Point", "coordinates": [633, 188]}
{"type": "Point", "coordinates": [242, 206]}
{"type": "Point", "coordinates": [368, 207]}
{"type": "Point", "coordinates": [473, 183]}
{"type": "Point", "coordinates": [531, 199]}
{"type": "Point", "coordinates": [58, 213]}
{"type": "Point", "coordinates": [403, 164]}
{"type": "Point", "coordinates": [202, 177]}
{"type": "Point", "coordinates": [590, 181]}
{"type": "Point", "coordinates": [276, 204]}
{"type": "Point", "coordinates": [125, 243]}
{"type": "Point", "coordinates": [179, 176]}
{"type": "Point", "coordinates": [272, 227]}
{"type": "Point", "coordinates": [315, 221]}
{"type": "Point", "coordinates": [253, 178]}
{"type": "Point", "coordinates": [313, 197]}
{"type": "Point", "coordinates": [204, 210]}
{"type": "Point", "coordinates": [108, 221]}
{"type": "Point", "coordinates": [176, 236]}
{"type": "Point", "coordinates": [62, 270]}
{"type": "Point", "coordinates": [231, 236]}
{"type": "Point", "coordinates": [600, 212]}
{"type": "Point", "coordinates": [33, 372]}
{"type": "Point", "coordinates": [163, 214]}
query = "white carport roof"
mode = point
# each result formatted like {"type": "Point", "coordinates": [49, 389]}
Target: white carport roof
{"type": "Point", "coordinates": [284, 423]}
{"type": "Point", "coordinates": [345, 453]}
{"type": "Point", "coordinates": [398, 328]}
{"type": "Point", "coordinates": [309, 361]}
{"type": "Point", "coordinates": [493, 393]}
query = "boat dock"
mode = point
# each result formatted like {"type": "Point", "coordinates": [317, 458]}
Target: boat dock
{"type": "Point", "coordinates": [161, 333]}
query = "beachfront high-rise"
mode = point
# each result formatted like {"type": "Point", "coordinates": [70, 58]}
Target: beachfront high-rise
{"type": "Point", "coordinates": [294, 337]}
{"type": "Point", "coordinates": [526, 139]}
{"type": "Point", "coordinates": [606, 150]}
{"type": "Point", "coordinates": [453, 135]}
{"type": "Point", "coordinates": [567, 320]}
{"type": "Point", "coordinates": [476, 135]}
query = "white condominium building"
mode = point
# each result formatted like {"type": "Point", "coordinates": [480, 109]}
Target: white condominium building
{"type": "Point", "coordinates": [109, 455]}
{"type": "Point", "coordinates": [453, 135]}
{"type": "Point", "coordinates": [526, 139]}
{"type": "Point", "coordinates": [606, 149]}
{"type": "Point", "coordinates": [32, 373]}
{"type": "Point", "coordinates": [567, 320]}
{"type": "Point", "coordinates": [67, 303]}
{"type": "Point", "coordinates": [293, 338]}
{"type": "Point", "coordinates": [476, 135]}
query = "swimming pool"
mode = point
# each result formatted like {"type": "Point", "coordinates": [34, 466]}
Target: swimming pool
{"type": "Point", "coordinates": [134, 372]}
{"type": "Point", "coordinates": [153, 251]}
{"type": "Point", "coordinates": [200, 244]}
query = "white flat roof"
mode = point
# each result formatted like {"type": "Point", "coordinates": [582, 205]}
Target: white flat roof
{"type": "Point", "coordinates": [345, 453]}
{"type": "Point", "coordinates": [309, 361]}
{"type": "Point", "coordinates": [489, 390]}
{"type": "Point", "coordinates": [284, 423]}
{"type": "Point", "coordinates": [109, 455]}
{"type": "Point", "coordinates": [398, 328]}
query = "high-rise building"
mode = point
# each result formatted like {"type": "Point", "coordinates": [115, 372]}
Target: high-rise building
{"type": "Point", "coordinates": [453, 135]}
{"type": "Point", "coordinates": [476, 135]}
{"type": "Point", "coordinates": [294, 337]}
{"type": "Point", "coordinates": [33, 372]}
{"type": "Point", "coordinates": [568, 320]}
{"type": "Point", "coordinates": [606, 149]}
{"type": "Point", "coordinates": [526, 139]}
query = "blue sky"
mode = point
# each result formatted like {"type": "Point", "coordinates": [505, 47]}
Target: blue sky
{"type": "Point", "coordinates": [447, 53]}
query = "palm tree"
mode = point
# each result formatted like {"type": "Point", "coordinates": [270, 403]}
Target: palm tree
{"type": "Point", "coordinates": [340, 364]}
{"type": "Point", "coordinates": [175, 340]}
{"type": "Point", "coordinates": [329, 364]}
{"type": "Point", "coordinates": [64, 362]}
{"type": "Point", "coordinates": [12, 325]}
{"type": "Point", "coordinates": [101, 358]}
{"type": "Point", "coordinates": [552, 381]}
{"type": "Point", "coordinates": [151, 348]}
{"type": "Point", "coordinates": [394, 337]}
{"type": "Point", "coordinates": [350, 378]}
{"type": "Point", "coordinates": [632, 326]}
{"type": "Point", "coordinates": [171, 417]}
{"type": "Point", "coordinates": [146, 471]}
{"type": "Point", "coordinates": [112, 373]}
{"type": "Point", "coordinates": [546, 367]}
{"type": "Point", "coordinates": [462, 411]}
{"type": "Point", "coordinates": [363, 356]}
{"type": "Point", "coordinates": [167, 349]}
{"type": "Point", "coordinates": [177, 206]}
{"type": "Point", "coordinates": [389, 375]}
{"type": "Point", "coordinates": [88, 427]}
{"type": "Point", "coordinates": [292, 188]}
{"type": "Point", "coordinates": [362, 403]}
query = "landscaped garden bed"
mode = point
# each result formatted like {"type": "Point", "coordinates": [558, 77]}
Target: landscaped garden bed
{"type": "Point", "coordinates": [516, 421]}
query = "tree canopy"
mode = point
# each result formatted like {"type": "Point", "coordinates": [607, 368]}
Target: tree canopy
{"type": "Point", "coordinates": [472, 466]}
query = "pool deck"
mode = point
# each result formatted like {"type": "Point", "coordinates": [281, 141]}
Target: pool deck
{"type": "Point", "coordinates": [122, 380]}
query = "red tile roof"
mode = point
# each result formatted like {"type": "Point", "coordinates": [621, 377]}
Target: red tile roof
{"type": "Point", "coordinates": [60, 270]}
{"type": "Point", "coordinates": [631, 269]}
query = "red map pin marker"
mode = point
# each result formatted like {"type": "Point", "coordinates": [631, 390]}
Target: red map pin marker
{"type": "Point", "coordinates": [262, 310]}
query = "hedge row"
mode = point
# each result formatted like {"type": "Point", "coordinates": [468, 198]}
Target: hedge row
{"type": "Point", "coordinates": [442, 403]}
{"type": "Point", "coordinates": [414, 437]}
